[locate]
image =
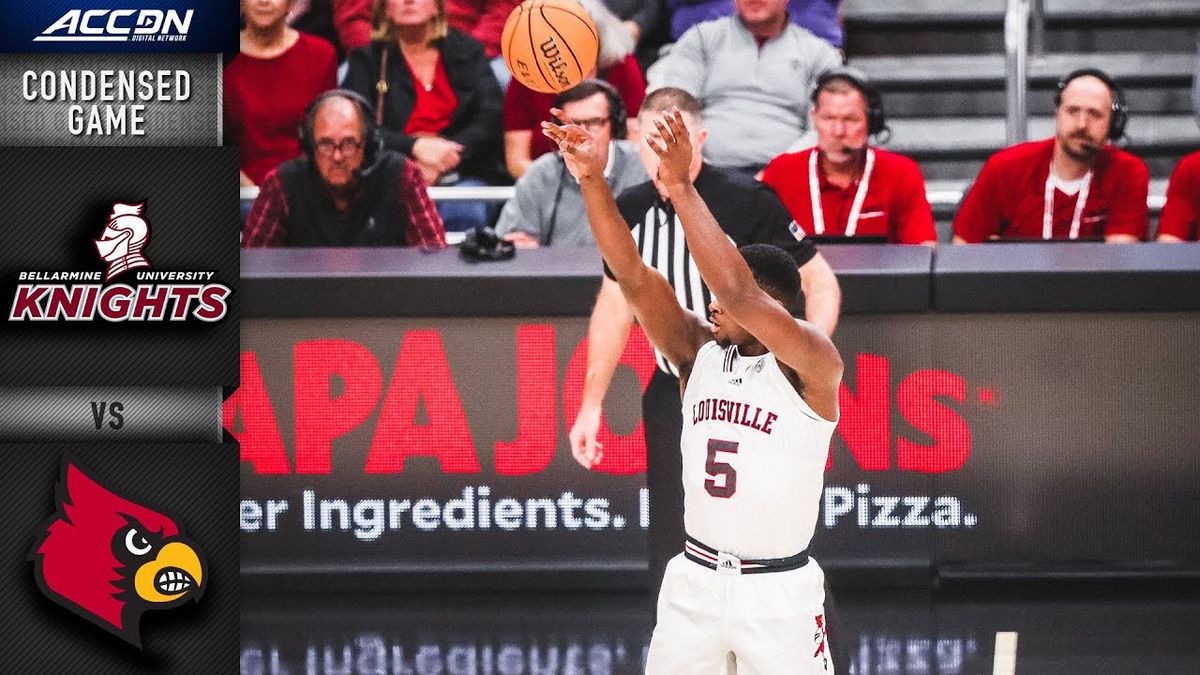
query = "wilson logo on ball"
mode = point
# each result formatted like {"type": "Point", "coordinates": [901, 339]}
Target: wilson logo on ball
{"type": "Point", "coordinates": [550, 45]}
{"type": "Point", "coordinates": [555, 61]}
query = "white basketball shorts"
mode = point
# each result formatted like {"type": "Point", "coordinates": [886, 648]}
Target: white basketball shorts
{"type": "Point", "coordinates": [772, 623]}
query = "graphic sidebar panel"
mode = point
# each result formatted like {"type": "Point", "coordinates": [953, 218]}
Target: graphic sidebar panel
{"type": "Point", "coordinates": [118, 283]}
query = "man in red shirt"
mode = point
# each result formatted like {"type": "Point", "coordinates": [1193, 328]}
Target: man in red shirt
{"type": "Point", "coordinates": [843, 186]}
{"type": "Point", "coordinates": [1075, 185]}
{"type": "Point", "coordinates": [1181, 214]}
{"type": "Point", "coordinates": [346, 190]}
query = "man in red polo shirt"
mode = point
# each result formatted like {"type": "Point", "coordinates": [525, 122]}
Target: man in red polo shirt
{"type": "Point", "coordinates": [1180, 218]}
{"type": "Point", "coordinates": [844, 187]}
{"type": "Point", "coordinates": [1075, 185]}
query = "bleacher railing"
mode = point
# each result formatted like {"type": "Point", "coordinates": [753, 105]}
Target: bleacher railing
{"type": "Point", "coordinates": [938, 196]}
{"type": "Point", "coordinates": [1016, 53]}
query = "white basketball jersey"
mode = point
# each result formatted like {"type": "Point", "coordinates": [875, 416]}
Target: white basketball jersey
{"type": "Point", "coordinates": [754, 456]}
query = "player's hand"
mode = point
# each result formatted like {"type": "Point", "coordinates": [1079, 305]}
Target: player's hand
{"type": "Point", "coordinates": [673, 145]}
{"type": "Point", "coordinates": [577, 145]}
{"type": "Point", "coordinates": [584, 446]}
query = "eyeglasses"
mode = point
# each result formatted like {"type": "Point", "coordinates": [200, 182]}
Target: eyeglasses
{"type": "Point", "coordinates": [592, 123]}
{"type": "Point", "coordinates": [348, 145]}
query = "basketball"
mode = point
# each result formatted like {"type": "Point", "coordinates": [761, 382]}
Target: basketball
{"type": "Point", "coordinates": [549, 45]}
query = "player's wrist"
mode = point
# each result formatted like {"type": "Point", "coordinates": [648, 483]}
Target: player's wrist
{"type": "Point", "coordinates": [676, 188]}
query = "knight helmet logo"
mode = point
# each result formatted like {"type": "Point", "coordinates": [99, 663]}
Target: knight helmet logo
{"type": "Point", "coordinates": [109, 560]}
{"type": "Point", "coordinates": [124, 237]}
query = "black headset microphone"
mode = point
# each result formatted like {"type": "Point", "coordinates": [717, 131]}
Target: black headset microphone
{"type": "Point", "coordinates": [618, 125]}
{"type": "Point", "coordinates": [372, 135]}
{"type": "Point", "coordinates": [876, 120]}
{"type": "Point", "coordinates": [1120, 110]}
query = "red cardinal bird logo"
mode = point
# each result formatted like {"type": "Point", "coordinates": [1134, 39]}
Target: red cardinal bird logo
{"type": "Point", "coordinates": [109, 560]}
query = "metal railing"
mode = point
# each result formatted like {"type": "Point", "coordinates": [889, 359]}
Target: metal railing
{"type": "Point", "coordinates": [940, 195]}
{"type": "Point", "coordinates": [1024, 34]}
{"type": "Point", "coordinates": [1016, 83]}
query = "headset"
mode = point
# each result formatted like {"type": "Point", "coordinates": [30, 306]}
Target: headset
{"type": "Point", "coordinates": [1120, 111]}
{"type": "Point", "coordinates": [876, 121]}
{"type": "Point", "coordinates": [618, 120]}
{"type": "Point", "coordinates": [618, 117]}
{"type": "Point", "coordinates": [372, 136]}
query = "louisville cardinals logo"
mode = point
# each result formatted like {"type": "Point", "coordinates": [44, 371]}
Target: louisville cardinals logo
{"type": "Point", "coordinates": [109, 560]}
{"type": "Point", "coordinates": [124, 237]}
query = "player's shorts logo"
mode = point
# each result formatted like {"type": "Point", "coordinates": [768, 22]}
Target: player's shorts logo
{"type": "Point", "coordinates": [109, 559]}
{"type": "Point", "coordinates": [123, 238]}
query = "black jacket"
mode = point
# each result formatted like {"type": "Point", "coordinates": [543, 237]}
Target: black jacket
{"type": "Point", "coordinates": [375, 219]}
{"type": "Point", "coordinates": [476, 121]}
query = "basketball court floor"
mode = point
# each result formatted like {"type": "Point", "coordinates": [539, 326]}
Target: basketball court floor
{"type": "Point", "coordinates": [1060, 628]}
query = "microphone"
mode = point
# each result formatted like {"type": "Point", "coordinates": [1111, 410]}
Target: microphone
{"type": "Point", "coordinates": [376, 161]}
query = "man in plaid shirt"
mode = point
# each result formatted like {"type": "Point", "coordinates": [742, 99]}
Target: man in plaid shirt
{"type": "Point", "coordinates": [328, 198]}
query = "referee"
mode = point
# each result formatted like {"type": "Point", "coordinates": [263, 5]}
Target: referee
{"type": "Point", "coordinates": [749, 212]}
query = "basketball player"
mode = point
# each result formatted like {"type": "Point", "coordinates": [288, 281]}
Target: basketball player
{"type": "Point", "coordinates": [759, 391]}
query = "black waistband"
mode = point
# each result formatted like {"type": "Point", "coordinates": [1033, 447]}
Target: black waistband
{"type": "Point", "coordinates": [758, 566]}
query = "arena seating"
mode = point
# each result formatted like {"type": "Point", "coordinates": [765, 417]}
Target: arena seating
{"type": "Point", "coordinates": [940, 66]}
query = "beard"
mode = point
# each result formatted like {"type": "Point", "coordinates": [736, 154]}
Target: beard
{"type": "Point", "coordinates": [1086, 151]}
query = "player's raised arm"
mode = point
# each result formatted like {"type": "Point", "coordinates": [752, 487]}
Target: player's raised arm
{"type": "Point", "coordinates": [676, 333]}
{"type": "Point", "coordinates": [798, 344]}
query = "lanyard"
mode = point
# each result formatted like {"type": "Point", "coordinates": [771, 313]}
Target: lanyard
{"type": "Point", "coordinates": [814, 191]}
{"type": "Point", "coordinates": [1048, 212]}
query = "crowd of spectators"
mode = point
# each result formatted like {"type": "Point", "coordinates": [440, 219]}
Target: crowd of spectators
{"type": "Point", "coordinates": [777, 105]}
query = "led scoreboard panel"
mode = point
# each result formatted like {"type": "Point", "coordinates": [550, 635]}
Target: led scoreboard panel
{"type": "Point", "coordinates": [375, 442]}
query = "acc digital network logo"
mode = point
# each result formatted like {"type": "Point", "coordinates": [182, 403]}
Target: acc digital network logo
{"type": "Point", "coordinates": [119, 25]}
{"type": "Point", "coordinates": [120, 245]}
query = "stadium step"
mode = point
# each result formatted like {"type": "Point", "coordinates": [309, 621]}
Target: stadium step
{"type": "Point", "coordinates": [1131, 69]}
{"type": "Point", "coordinates": [1092, 12]}
{"type": "Point", "coordinates": [977, 137]}
{"type": "Point", "coordinates": [882, 27]}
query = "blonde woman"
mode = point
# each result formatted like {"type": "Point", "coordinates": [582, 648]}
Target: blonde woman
{"type": "Point", "coordinates": [435, 94]}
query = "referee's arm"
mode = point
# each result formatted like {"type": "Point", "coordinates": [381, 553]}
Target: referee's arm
{"type": "Point", "coordinates": [822, 294]}
{"type": "Point", "coordinates": [608, 331]}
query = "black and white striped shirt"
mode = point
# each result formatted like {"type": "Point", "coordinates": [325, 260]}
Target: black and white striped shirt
{"type": "Point", "coordinates": [746, 209]}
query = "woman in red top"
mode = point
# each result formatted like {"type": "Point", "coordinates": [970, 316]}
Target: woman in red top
{"type": "Point", "coordinates": [268, 86]}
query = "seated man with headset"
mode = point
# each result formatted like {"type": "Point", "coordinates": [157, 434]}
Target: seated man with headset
{"type": "Point", "coordinates": [547, 206]}
{"type": "Point", "coordinates": [346, 190]}
{"type": "Point", "coordinates": [1076, 185]}
{"type": "Point", "coordinates": [844, 187]}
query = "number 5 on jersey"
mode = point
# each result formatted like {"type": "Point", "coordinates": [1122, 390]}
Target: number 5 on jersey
{"type": "Point", "coordinates": [727, 487]}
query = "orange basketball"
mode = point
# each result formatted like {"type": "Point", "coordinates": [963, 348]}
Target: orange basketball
{"type": "Point", "coordinates": [549, 45]}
